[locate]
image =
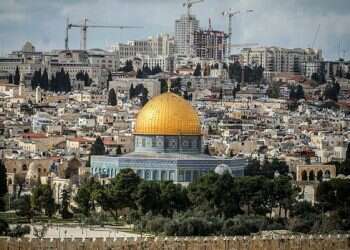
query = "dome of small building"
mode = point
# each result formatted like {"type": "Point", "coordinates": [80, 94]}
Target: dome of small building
{"type": "Point", "coordinates": [28, 47]}
{"type": "Point", "coordinates": [167, 114]}
{"type": "Point", "coordinates": [222, 168]}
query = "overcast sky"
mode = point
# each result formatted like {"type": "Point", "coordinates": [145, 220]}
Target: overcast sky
{"type": "Point", "coordinates": [287, 23]}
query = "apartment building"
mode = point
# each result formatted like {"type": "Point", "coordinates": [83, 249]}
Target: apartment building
{"type": "Point", "coordinates": [209, 44]}
{"type": "Point", "coordinates": [275, 59]}
{"type": "Point", "coordinates": [160, 45]}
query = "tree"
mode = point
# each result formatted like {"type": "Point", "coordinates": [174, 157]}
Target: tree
{"type": "Point", "coordinates": [120, 192]}
{"type": "Point", "coordinates": [36, 79]}
{"type": "Point", "coordinates": [4, 227]}
{"type": "Point", "coordinates": [274, 90]}
{"type": "Point", "coordinates": [3, 185]}
{"type": "Point", "coordinates": [87, 196]}
{"type": "Point", "coordinates": [44, 81]}
{"type": "Point", "coordinates": [139, 74]}
{"type": "Point", "coordinates": [17, 77]}
{"type": "Point", "coordinates": [109, 79]}
{"type": "Point", "coordinates": [156, 70]}
{"type": "Point", "coordinates": [146, 71]}
{"type": "Point", "coordinates": [331, 91]}
{"type": "Point", "coordinates": [206, 149]}
{"type": "Point", "coordinates": [20, 182]}
{"type": "Point", "coordinates": [128, 66]}
{"type": "Point", "coordinates": [300, 92]}
{"type": "Point", "coordinates": [163, 86]}
{"type": "Point", "coordinates": [268, 169]}
{"type": "Point", "coordinates": [131, 91]}
{"type": "Point", "coordinates": [144, 97]}
{"type": "Point", "coordinates": [173, 198]}
{"type": "Point", "coordinates": [23, 206]}
{"type": "Point", "coordinates": [235, 71]}
{"type": "Point", "coordinates": [112, 98]}
{"type": "Point", "coordinates": [98, 148]}
{"type": "Point", "coordinates": [87, 80]}
{"type": "Point", "coordinates": [148, 197]}
{"type": "Point", "coordinates": [296, 92]}
{"type": "Point", "coordinates": [10, 80]}
{"type": "Point", "coordinates": [67, 83]}
{"type": "Point", "coordinates": [42, 199]}
{"type": "Point", "coordinates": [215, 194]}
{"type": "Point", "coordinates": [119, 150]}
{"type": "Point", "coordinates": [198, 70]}
{"type": "Point", "coordinates": [64, 210]}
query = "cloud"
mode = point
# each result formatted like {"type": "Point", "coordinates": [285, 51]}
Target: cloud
{"type": "Point", "coordinates": [291, 23]}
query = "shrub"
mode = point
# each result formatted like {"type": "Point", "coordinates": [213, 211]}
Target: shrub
{"type": "Point", "coordinates": [156, 224]}
{"type": "Point", "coordinates": [243, 225]}
{"type": "Point", "coordinates": [19, 231]}
{"type": "Point", "coordinates": [4, 227]}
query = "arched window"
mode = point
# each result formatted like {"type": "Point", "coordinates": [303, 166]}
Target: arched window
{"type": "Point", "coordinates": [303, 176]}
{"type": "Point", "coordinates": [327, 174]}
{"type": "Point", "coordinates": [311, 176]}
{"type": "Point", "coordinates": [9, 182]}
{"type": "Point", "coordinates": [24, 167]}
{"type": "Point", "coordinates": [164, 176]}
{"type": "Point", "coordinates": [155, 175]}
{"type": "Point", "coordinates": [147, 175]}
{"type": "Point", "coordinates": [319, 175]}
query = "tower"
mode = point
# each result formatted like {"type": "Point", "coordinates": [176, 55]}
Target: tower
{"type": "Point", "coordinates": [21, 87]}
{"type": "Point", "coordinates": [38, 95]}
{"type": "Point", "coordinates": [185, 27]}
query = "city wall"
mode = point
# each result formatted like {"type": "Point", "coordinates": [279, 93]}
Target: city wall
{"type": "Point", "coordinates": [310, 242]}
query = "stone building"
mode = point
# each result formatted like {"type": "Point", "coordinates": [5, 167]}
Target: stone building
{"type": "Point", "coordinates": [168, 145]}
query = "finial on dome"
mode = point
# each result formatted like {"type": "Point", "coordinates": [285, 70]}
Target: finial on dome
{"type": "Point", "coordinates": [169, 85]}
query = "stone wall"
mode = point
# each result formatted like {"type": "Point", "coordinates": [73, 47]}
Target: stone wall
{"type": "Point", "coordinates": [310, 242]}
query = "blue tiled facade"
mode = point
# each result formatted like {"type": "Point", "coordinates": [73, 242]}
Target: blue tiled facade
{"type": "Point", "coordinates": [165, 158]}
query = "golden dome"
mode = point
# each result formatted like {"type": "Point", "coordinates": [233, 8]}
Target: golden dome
{"type": "Point", "coordinates": [167, 114]}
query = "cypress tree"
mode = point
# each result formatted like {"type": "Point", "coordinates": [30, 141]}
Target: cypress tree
{"type": "Point", "coordinates": [112, 98]}
{"type": "Point", "coordinates": [86, 79]}
{"type": "Point", "coordinates": [3, 185]}
{"type": "Point", "coordinates": [17, 76]}
{"type": "Point", "coordinates": [10, 78]}
{"type": "Point", "coordinates": [198, 70]}
{"type": "Point", "coordinates": [44, 82]}
{"type": "Point", "coordinates": [131, 91]}
{"type": "Point", "coordinates": [98, 148]}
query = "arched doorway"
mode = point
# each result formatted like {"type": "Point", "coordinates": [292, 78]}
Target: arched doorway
{"type": "Point", "coordinates": [327, 174]}
{"type": "Point", "coordinates": [304, 176]}
{"type": "Point", "coordinates": [320, 175]}
{"type": "Point", "coordinates": [311, 176]}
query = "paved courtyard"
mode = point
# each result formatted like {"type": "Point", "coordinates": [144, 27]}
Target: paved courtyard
{"type": "Point", "coordinates": [75, 231]}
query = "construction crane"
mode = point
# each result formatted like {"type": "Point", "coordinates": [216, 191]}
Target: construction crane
{"type": "Point", "coordinates": [189, 4]}
{"type": "Point", "coordinates": [316, 35]}
{"type": "Point", "coordinates": [231, 13]}
{"type": "Point", "coordinates": [83, 31]}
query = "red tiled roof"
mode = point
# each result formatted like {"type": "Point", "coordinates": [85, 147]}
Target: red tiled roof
{"type": "Point", "coordinates": [34, 136]}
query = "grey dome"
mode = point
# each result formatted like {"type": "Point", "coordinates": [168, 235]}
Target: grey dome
{"type": "Point", "coordinates": [222, 168]}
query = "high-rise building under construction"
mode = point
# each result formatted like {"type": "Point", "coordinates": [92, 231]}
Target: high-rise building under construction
{"type": "Point", "coordinates": [185, 28]}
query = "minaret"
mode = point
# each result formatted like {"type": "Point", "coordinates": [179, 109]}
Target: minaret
{"type": "Point", "coordinates": [21, 88]}
{"type": "Point", "coordinates": [37, 95]}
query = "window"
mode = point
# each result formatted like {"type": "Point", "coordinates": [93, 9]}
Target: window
{"type": "Point", "coordinates": [188, 176]}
